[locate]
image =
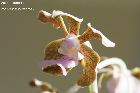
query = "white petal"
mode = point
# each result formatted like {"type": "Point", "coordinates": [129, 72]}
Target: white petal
{"type": "Point", "coordinates": [123, 83]}
{"type": "Point", "coordinates": [111, 85]}
{"type": "Point", "coordinates": [137, 89]}
{"type": "Point", "coordinates": [127, 84]}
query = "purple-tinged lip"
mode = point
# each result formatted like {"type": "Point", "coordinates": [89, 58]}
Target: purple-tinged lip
{"type": "Point", "coordinates": [64, 62]}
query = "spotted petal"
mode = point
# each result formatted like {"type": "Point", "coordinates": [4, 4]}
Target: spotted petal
{"type": "Point", "coordinates": [57, 21]}
{"type": "Point", "coordinates": [64, 62]}
{"type": "Point", "coordinates": [73, 22]}
{"type": "Point", "coordinates": [91, 59]}
{"type": "Point", "coordinates": [51, 50]}
{"type": "Point", "coordinates": [92, 33]}
{"type": "Point", "coordinates": [55, 62]}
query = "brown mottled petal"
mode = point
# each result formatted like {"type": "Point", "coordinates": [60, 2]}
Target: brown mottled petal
{"type": "Point", "coordinates": [51, 52]}
{"type": "Point", "coordinates": [56, 21]}
{"type": "Point", "coordinates": [55, 70]}
{"type": "Point", "coordinates": [74, 25]}
{"type": "Point", "coordinates": [92, 33]}
{"type": "Point", "coordinates": [89, 34]}
{"type": "Point", "coordinates": [89, 72]}
{"type": "Point", "coordinates": [74, 22]}
{"type": "Point", "coordinates": [44, 86]}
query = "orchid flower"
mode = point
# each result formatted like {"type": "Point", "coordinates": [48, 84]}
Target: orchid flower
{"type": "Point", "coordinates": [123, 79]}
{"type": "Point", "coordinates": [63, 54]}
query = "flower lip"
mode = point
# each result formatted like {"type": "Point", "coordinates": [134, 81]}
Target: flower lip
{"type": "Point", "coordinates": [65, 61]}
{"type": "Point", "coordinates": [70, 47]}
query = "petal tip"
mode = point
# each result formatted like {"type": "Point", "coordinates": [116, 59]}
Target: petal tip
{"type": "Point", "coordinates": [105, 41]}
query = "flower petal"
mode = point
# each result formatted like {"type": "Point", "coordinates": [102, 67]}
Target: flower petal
{"type": "Point", "coordinates": [55, 70]}
{"type": "Point", "coordinates": [124, 83]}
{"type": "Point", "coordinates": [92, 33]}
{"type": "Point", "coordinates": [91, 59]}
{"type": "Point", "coordinates": [74, 25]}
{"type": "Point", "coordinates": [73, 22]}
{"type": "Point", "coordinates": [56, 21]}
{"type": "Point", "coordinates": [112, 83]}
{"type": "Point", "coordinates": [137, 89]}
{"type": "Point", "coordinates": [64, 61]}
{"type": "Point", "coordinates": [51, 51]}
{"type": "Point", "coordinates": [63, 69]}
{"type": "Point", "coordinates": [60, 13]}
{"type": "Point", "coordinates": [54, 61]}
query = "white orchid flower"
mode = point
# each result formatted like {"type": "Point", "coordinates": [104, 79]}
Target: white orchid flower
{"type": "Point", "coordinates": [122, 80]}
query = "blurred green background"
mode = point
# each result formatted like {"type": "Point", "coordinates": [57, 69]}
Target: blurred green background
{"type": "Point", "coordinates": [23, 38]}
